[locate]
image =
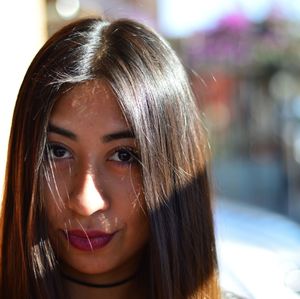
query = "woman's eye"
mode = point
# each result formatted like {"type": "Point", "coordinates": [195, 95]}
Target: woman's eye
{"type": "Point", "coordinates": [57, 152]}
{"type": "Point", "coordinates": [124, 155]}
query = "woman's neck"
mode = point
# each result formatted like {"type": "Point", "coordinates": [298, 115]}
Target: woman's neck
{"type": "Point", "coordinates": [122, 286]}
{"type": "Point", "coordinates": [126, 282]}
{"type": "Point", "coordinates": [132, 289]}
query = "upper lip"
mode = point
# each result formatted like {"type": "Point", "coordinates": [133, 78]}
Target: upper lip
{"type": "Point", "coordinates": [88, 233]}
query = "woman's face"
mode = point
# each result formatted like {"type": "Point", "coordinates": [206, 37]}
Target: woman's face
{"type": "Point", "coordinates": [93, 185]}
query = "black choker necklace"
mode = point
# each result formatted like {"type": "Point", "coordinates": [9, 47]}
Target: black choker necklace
{"type": "Point", "coordinates": [94, 285]}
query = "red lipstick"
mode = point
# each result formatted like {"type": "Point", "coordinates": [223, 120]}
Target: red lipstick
{"type": "Point", "coordinates": [88, 240]}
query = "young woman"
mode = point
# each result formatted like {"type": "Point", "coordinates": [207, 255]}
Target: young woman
{"type": "Point", "coordinates": [106, 191]}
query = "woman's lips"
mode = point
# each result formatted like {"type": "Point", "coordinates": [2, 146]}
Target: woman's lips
{"type": "Point", "coordinates": [88, 240]}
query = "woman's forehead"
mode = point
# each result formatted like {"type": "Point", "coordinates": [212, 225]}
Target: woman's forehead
{"type": "Point", "coordinates": [92, 101]}
{"type": "Point", "coordinates": [83, 95]}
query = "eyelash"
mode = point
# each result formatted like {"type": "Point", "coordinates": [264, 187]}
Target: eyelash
{"type": "Point", "coordinates": [56, 146]}
{"type": "Point", "coordinates": [134, 156]}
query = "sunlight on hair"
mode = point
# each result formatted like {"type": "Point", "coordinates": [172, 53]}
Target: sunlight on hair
{"type": "Point", "coordinates": [42, 249]}
{"type": "Point", "coordinates": [50, 179]}
{"type": "Point", "coordinates": [105, 224]}
{"type": "Point", "coordinates": [87, 236]}
{"type": "Point", "coordinates": [66, 233]}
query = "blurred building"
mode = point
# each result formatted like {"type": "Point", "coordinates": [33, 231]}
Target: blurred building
{"type": "Point", "coordinates": [245, 76]}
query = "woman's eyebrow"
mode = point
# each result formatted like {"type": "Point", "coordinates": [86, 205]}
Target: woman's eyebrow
{"type": "Point", "coordinates": [118, 135]}
{"type": "Point", "coordinates": [55, 129]}
{"type": "Point", "coordinates": [106, 138]}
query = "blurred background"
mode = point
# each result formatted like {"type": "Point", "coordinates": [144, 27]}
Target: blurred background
{"type": "Point", "coordinates": [243, 59]}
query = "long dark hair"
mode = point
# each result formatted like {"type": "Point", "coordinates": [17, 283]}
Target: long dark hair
{"type": "Point", "coordinates": [154, 94]}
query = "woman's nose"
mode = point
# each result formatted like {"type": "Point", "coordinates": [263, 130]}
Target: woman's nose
{"type": "Point", "coordinates": [86, 197]}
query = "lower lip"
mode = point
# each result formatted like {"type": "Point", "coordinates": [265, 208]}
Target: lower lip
{"type": "Point", "coordinates": [88, 243]}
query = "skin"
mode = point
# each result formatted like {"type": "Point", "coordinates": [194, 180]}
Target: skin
{"type": "Point", "coordinates": [94, 183]}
